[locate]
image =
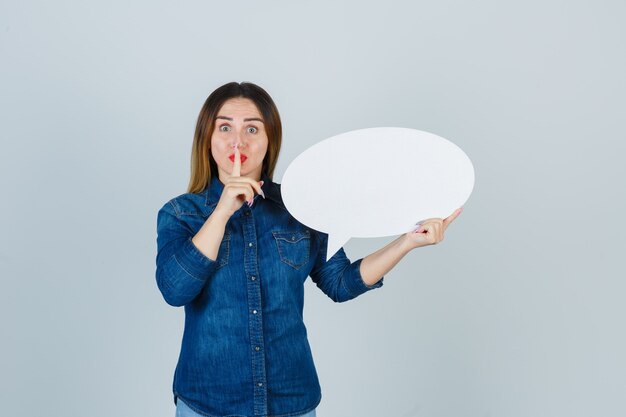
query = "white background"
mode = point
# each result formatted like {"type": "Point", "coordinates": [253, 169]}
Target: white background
{"type": "Point", "coordinates": [518, 312]}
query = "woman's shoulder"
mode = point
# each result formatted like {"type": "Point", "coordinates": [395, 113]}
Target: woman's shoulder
{"type": "Point", "coordinates": [187, 204]}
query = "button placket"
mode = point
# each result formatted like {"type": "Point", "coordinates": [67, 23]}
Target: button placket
{"type": "Point", "coordinates": [255, 319]}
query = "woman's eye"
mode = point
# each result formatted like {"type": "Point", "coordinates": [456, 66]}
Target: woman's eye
{"type": "Point", "coordinates": [224, 128]}
{"type": "Point", "coordinates": [252, 129]}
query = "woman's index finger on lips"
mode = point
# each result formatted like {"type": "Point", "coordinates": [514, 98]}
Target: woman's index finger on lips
{"type": "Point", "coordinates": [237, 163]}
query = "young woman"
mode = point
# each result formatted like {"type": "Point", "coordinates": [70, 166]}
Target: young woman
{"type": "Point", "coordinates": [233, 256]}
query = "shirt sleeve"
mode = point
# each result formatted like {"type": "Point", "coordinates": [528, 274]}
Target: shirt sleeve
{"type": "Point", "coordinates": [338, 278]}
{"type": "Point", "coordinates": [181, 269]}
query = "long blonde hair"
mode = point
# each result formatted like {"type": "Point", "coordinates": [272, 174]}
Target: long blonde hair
{"type": "Point", "coordinates": [203, 166]}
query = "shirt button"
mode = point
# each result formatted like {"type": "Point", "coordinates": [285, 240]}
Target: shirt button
{"type": "Point", "coordinates": [260, 384]}
{"type": "Point", "coordinates": [250, 244]}
{"type": "Point", "coordinates": [293, 238]}
{"type": "Point", "coordinates": [253, 311]}
{"type": "Point", "coordinates": [252, 278]}
{"type": "Point", "coordinates": [257, 348]}
{"type": "Point", "coordinates": [247, 213]}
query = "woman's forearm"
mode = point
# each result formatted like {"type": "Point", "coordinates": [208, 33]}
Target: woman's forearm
{"type": "Point", "coordinates": [374, 266]}
{"type": "Point", "coordinates": [210, 235]}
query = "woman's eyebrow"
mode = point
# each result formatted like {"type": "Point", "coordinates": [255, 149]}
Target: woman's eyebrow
{"type": "Point", "coordinates": [245, 120]}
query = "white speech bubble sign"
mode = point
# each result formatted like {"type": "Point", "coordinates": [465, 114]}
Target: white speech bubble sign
{"type": "Point", "coordinates": [376, 182]}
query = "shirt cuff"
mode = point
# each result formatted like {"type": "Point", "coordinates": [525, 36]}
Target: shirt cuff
{"type": "Point", "coordinates": [354, 281]}
{"type": "Point", "coordinates": [194, 262]}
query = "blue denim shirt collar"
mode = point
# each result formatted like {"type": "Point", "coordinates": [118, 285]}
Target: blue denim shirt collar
{"type": "Point", "coordinates": [214, 190]}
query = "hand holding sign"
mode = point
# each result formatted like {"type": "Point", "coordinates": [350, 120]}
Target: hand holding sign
{"type": "Point", "coordinates": [430, 231]}
{"type": "Point", "coordinates": [378, 182]}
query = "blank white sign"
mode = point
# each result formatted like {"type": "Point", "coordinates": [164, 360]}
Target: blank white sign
{"type": "Point", "coordinates": [376, 182]}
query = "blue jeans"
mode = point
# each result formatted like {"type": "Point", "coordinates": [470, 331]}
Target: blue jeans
{"type": "Point", "coordinates": [182, 410]}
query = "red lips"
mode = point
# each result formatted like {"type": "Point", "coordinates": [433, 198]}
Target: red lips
{"type": "Point", "coordinates": [232, 158]}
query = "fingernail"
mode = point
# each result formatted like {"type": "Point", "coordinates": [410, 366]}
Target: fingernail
{"type": "Point", "coordinates": [262, 194]}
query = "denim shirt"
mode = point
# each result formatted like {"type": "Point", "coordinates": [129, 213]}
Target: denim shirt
{"type": "Point", "coordinates": [245, 350]}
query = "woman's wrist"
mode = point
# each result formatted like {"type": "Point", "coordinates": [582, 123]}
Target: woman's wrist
{"type": "Point", "coordinates": [409, 244]}
{"type": "Point", "coordinates": [220, 216]}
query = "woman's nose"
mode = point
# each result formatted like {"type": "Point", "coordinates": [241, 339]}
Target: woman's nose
{"type": "Point", "coordinates": [238, 142]}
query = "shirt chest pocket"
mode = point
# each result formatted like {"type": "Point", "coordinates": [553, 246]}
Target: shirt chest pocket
{"type": "Point", "coordinates": [293, 247]}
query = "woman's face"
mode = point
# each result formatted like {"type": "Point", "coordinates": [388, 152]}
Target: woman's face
{"type": "Point", "coordinates": [239, 122]}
